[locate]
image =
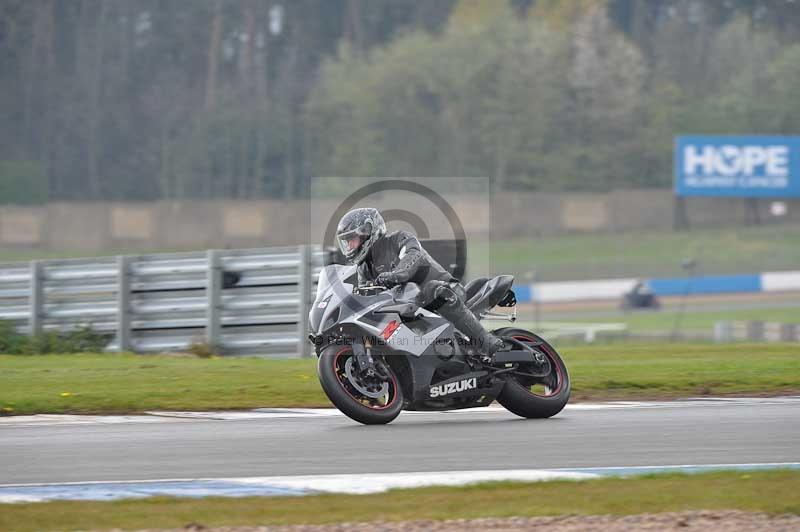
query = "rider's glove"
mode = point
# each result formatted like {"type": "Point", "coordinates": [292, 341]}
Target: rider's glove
{"type": "Point", "coordinates": [387, 279]}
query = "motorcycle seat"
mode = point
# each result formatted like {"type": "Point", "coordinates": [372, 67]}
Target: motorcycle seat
{"type": "Point", "coordinates": [483, 294]}
{"type": "Point", "coordinates": [472, 287]}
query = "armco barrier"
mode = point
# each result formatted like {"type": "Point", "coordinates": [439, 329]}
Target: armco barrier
{"type": "Point", "coordinates": [252, 301]}
{"type": "Point", "coordinates": [756, 331]}
{"type": "Point", "coordinates": [243, 302]}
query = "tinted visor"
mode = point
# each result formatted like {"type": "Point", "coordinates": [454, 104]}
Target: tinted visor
{"type": "Point", "coordinates": [350, 242]}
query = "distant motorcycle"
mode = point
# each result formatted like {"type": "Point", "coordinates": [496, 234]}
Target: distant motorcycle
{"type": "Point", "coordinates": [380, 352]}
{"type": "Point", "coordinates": [639, 297]}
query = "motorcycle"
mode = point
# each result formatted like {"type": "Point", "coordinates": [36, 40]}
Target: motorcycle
{"type": "Point", "coordinates": [379, 352]}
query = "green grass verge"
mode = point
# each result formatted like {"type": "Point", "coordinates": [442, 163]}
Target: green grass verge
{"type": "Point", "coordinates": [589, 256]}
{"type": "Point", "coordinates": [773, 492]}
{"type": "Point", "coordinates": [108, 383]}
{"type": "Point", "coordinates": [680, 370]}
{"type": "Point", "coordinates": [643, 254]}
{"type": "Point", "coordinates": [14, 255]}
{"type": "Point", "coordinates": [694, 321]}
{"type": "Point", "coordinates": [704, 320]}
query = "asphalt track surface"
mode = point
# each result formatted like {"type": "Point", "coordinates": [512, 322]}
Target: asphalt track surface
{"type": "Point", "coordinates": [637, 434]}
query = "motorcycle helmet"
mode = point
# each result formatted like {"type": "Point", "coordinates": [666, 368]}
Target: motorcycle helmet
{"type": "Point", "coordinates": [357, 232]}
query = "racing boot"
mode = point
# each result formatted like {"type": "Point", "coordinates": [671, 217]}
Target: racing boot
{"type": "Point", "coordinates": [454, 309]}
{"type": "Point", "coordinates": [487, 343]}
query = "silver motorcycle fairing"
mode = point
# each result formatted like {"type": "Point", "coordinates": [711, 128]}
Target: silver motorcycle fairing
{"type": "Point", "coordinates": [331, 288]}
{"type": "Point", "coordinates": [336, 305]}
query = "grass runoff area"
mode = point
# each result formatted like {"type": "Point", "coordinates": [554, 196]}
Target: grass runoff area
{"type": "Point", "coordinates": [691, 321]}
{"type": "Point", "coordinates": [773, 492]}
{"type": "Point", "coordinates": [644, 254]}
{"type": "Point", "coordinates": [110, 383]}
{"type": "Point", "coordinates": [705, 320]}
{"type": "Point", "coordinates": [601, 255]}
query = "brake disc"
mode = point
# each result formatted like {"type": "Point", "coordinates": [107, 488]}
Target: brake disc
{"type": "Point", "coordinates": [356, 382]}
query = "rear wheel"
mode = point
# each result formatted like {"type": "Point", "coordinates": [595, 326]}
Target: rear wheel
{"type": "Point", "coordinates": [531, 396]}
{"type": "Point", "coordinates": [370, 400]}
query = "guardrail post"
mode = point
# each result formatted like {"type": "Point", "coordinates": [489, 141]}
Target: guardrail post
{"type": "Point", "coordinates": [123, 303]}
{"type": "Point", "coordinates": [304, 271]}
{"type": "Point", "coordinates": [36, 298]}
{"type": "Point", "coordinates": [214, 298]}
{"type": "Point", "coordinates": [723, 331]}
{"type": "Point", "coordinates": [755, 331]}
{"type": "Point", "coordinates": [795, 333]}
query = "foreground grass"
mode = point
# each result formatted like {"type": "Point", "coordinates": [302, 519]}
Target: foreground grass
{"type": "Point", "coordinates": [107, 383]}
{"type": "Point", "coordinates": [773, 492]}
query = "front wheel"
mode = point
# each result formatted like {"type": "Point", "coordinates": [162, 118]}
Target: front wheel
{"type": "Point", "coordinates": [530, 396]}
{"type": "Point", "coordinates": [371, 401]}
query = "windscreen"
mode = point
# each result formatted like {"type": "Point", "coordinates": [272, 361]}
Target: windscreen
{"type": "Point", "coordinates": [334, 274]}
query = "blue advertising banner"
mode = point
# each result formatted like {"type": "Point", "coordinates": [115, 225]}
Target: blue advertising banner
{"type": "Point", "coordinates": [746, 166]}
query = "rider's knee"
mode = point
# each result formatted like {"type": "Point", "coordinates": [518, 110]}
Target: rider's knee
{"type": "Point", "coordinates": [446, 295]}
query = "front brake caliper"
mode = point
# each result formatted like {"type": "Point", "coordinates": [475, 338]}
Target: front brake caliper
{"type": "Point", "coordinates": [370, 389]}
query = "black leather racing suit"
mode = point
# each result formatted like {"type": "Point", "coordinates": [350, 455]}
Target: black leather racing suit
{"type": "Point", "coordinates": [401, 259]}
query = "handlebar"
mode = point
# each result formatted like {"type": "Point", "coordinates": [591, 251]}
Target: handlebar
{"type": "Point", "coordinates": [370, 287]}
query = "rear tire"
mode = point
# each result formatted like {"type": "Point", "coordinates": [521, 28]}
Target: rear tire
{"type": "Point", "coordinates": [347, 398]}
{"type": "Point", "coordinates": [517, 396]}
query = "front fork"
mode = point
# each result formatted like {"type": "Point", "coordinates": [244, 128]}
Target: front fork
{"type": "Point", "coordinates": [363, 355]}
{"type": "Point", "coordinates": [362, 352]}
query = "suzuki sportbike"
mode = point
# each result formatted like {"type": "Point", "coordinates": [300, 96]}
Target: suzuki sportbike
{"type": "Point", "coordinates": [380, 352]}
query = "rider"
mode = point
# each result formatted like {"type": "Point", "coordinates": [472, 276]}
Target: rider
{"type": "Point", "coordinates": [397, 258]}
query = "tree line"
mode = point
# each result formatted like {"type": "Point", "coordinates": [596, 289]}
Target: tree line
{"type": "Point", "coordinates": [159, 99]}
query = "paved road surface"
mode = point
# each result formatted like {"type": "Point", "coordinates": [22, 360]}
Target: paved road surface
{"type": "Point", "coordinates": [701, 432]}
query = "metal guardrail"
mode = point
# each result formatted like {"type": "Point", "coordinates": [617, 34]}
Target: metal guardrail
{"type": "Point", "coordinates": [588, 332]}
{"type": "Point", "coordinates": [240, 302]}
{"type": "Point", "coordinates": [756, 331]}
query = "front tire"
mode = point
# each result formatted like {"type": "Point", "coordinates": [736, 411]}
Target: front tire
{"type": "Point", "coordinates": [535, 397]}
{"type": "Point", "coordinates": [345, 394]}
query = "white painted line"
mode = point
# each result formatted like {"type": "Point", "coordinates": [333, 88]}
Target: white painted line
{"type": "Point", "coordinates": [379, 482]}
{"type": "Point", "coordinates": [694, 402]}
{"type": "Point", "coordinates": [269, 486]}
{"type": "Point", "coordinates": [746, 465]}
{"type": "Point", "coordinates": [350, 483]}
{"type": "Point", "coordinates": [74, 419]}
{"type": "Point", "coordinates": [417, 474]}
{"type": "Point", "coordinates": [12, 499]}
{"type": "Point", "coordinates": [493, 409]}
{"type": "Point", "coordinates": [780, 281]}
{"type": "Point", "coordinates": [305, 413]}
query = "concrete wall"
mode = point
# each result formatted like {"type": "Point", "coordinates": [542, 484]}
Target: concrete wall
{"type": "Point", "coordinates": [230, 223]}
